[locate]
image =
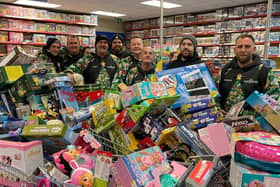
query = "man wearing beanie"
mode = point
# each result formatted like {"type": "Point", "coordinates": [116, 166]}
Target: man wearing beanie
{"type": "Point", "coordinates": [117, 46]}
{"type": "Point", "coordinates": [49, 56]}
{"type": "Point", "coordinates": [188, 54]}
{"type": "Point", "coordinates": [99, 68]}
{"type": "Point", "coordinates": [72, 52]}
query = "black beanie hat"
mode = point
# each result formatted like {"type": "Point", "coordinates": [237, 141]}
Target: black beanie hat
{"type": "Point", "coordinates": [117, 36]}
{"type": "Point", "coordinates": [51, 41]}
{"type": "Point", "coordinates": [101, 37]}
{"type": "Point", "coordinates": [191, 38]}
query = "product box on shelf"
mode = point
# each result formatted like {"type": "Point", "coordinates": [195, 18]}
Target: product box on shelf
{"type": "Point", "coordinates": [243, 176]}
{"type": "Point", "coordinates": [26, 156]}
{"type": "Point", "coordinates": [267, 107]}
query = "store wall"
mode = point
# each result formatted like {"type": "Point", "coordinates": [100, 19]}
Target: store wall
{"type": "Point", "coordinates": [109, 25]}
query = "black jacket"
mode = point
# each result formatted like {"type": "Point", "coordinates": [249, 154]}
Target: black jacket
{"type": "Point", "coordinates": [253, 77]}
{"type": "Point", "coordinates": [121, 55]}
{"type": "Point", "coordinates": [141, 75]}
{"type": "Point", "coordinates": [92, 71]}
{"type": "Point", "coordinates": [69, 59]}
{"type": "Point", "coordinates": [180, 63]}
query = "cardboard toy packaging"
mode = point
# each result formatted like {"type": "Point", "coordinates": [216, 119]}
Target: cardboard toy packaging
{"type": "Point", "coordinates": [142, 91]}
{"type": "Point", "coordinates": [25, 156]}
{"type": "Point", "coordinates": [218, 144]}
{"type": "Point", "coordinates": [191, 82]}
{"type": "Point", "coordinates": [243, 176]}
{"type": "Point", "coordinates": [267, 107]}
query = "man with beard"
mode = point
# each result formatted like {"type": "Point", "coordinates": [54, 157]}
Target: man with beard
{"type": "Point", "coordinates": [99, 68]}
{"type": "Point", "coordinates": [144, 70]}
{"type": "Point", "coordinates": [72, 53]}
{"type": "Point", "coordinates": [188, 54]}
{"type": "Point", "coordinates": [125, 64]}
{"type": "Point", "coordinates": [49, 56]}
{"type": "Point", "coordinates": [245, 74]}
{"type": "Point", "coordinates": [117, 46]}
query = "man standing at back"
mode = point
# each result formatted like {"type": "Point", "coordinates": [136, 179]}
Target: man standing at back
{"type": "Point", "coordinates": [187, 55]}
{"type": "Point", "coordinates": [118, 46]}
{"type": "Point", "coordinates": [245, 74]}
{"type": "Point", "coordinates": [72, 53]}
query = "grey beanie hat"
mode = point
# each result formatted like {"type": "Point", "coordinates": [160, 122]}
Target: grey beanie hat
{"type": "Point", "coordinates": [191, 38]}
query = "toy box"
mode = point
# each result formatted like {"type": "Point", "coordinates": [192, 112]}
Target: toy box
{"type": "Point", "coordinates": [242, 123]}
{"type": "Point", "coordinates": [158, 105]}
{"type": "Point", "coordinates": [103, 115]}
{"type": "Point", "coordinates": [191, 139]}
{"type": "Point", "coordinates": [191, 82]}
{"type": "Point", "coordinates": [145, 161]}
{"type": "Point", "coordinates": [150, 126]}
{"type": "Point", "coordinates": [142, 91]}
{"type": "Point", "coordinates": [200, 171]}
{"type": "Point", "coordinates": [201, 114]}
{"type": "Point", "coordinates": [241, 176]}
{"type": "Point", "coordinates": [168, 118]}
{"type": "Point", "coordinates": [25, 156]}
{"type": "Point", "coordinates": [52, 128]}
{"type": "Point", "coordinates": [9, 74]}
{"type": "Point", "coordinates": [129, 117]}
{"type": "Point", "coordinates": [123, 173]}
{"type": "Point", "coordinates": [28, 84]}
{"type": "Point", "coordinates": [267, 107]}
{"type": "Point", "coordinates": [197, 105]}
{"type": "Point", "coordinates": [218, 144]}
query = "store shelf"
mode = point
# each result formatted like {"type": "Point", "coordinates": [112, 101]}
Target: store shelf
{"type": "Point", "coordinates": [43, 32]}
{"type": "Point", "coordinates": [32, 43]}
{"type": "Point", "coordinates": [209, 45]}
{"type": "Point", "coordinates": [47, 20]}
{"type": "Point", "coordinates": [202, 22]}
{"type": "Point", "coordinates": [216, 56]}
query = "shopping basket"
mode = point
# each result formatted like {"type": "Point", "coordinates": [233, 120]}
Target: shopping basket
{"type": "Point", "coordinates": [11, 176]}
{"type": "Point", "coordinates": [112, 147]}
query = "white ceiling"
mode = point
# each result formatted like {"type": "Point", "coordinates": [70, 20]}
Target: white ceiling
{"type": "Point", "coordinates": [134, 10]}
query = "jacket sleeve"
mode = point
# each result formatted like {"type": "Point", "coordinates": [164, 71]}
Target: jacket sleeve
{"type": "Point", "coordinates": [79, 66]}
{"type": "Point", "coordinates": [272, 86]}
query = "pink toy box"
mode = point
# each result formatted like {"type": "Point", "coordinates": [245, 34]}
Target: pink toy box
{"type": "Point", "coordinates": [25, 156]}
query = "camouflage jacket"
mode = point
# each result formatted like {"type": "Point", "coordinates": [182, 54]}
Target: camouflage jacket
{"type": "Point", "coordinates": [96, 70]}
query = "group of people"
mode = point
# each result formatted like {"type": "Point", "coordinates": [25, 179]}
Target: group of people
{"type": "Point", "coordinates": [111, 65]}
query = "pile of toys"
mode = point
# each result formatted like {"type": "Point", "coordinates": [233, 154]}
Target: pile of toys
{"type": "Point", "coordinates": [168, 132]}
